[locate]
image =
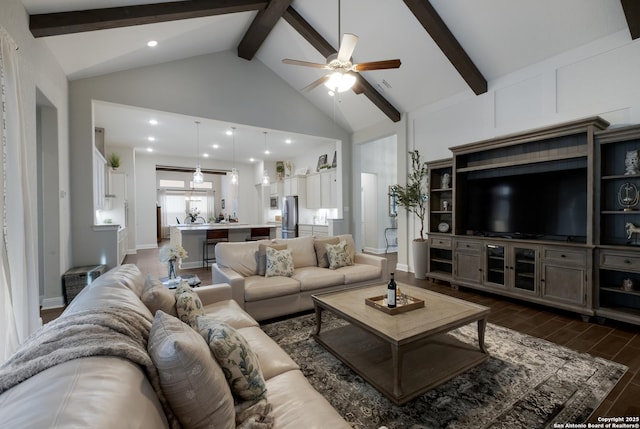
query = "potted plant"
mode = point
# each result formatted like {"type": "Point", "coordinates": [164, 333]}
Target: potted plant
{"type": "Point", "coordinates": [413, 198]}
{"type": "Point", "coordinates": [114, 160]}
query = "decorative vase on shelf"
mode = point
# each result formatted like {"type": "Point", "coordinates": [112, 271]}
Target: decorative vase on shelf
{"type": "Point", "coordinates": [172, 269]}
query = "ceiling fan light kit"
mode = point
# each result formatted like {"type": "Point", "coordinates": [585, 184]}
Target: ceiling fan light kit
{"type": "Point", "coordinates": [342, 70]}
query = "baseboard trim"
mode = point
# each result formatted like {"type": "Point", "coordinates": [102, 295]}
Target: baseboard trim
{"type": "Point", "coordinates": [402, 267]}
{"type": "Point", "coordinates": [56, 302]}
{"type": "Point", "coordinates": [146, 246]}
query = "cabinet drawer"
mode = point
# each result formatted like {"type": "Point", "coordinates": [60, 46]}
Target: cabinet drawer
{"type": "Point", "coordinates": [623, 261]}
{"type": "Point", "coordinates": [468, 246]}
{"type": "Point", "coordinates": [440, 242]}
{"type": "Point", "coordinates": [571, 256]}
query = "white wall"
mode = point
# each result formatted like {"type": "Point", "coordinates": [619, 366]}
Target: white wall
{"type": "Point", "coordinates": [40, 71]}
{"type": "Point", "coordinates": [600, 78]}
{"type": "Point", "coordinates": [218, 86]}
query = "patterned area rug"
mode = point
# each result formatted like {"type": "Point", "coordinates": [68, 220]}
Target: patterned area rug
{"type": "Point", "coordinates": [526, 383]}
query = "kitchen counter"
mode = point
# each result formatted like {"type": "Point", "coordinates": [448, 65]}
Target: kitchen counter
{"type": "Point", "coordinates": [191, 237]}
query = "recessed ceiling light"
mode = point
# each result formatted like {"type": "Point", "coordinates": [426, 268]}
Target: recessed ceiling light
{"type": "Point", "coordinates": [266, 152]}
{"type": "Point", "coordinates": [215, 146]}
{"type": "Point", "coordinates": [229, 133]}
{"type": "Point", "coordinates": [152, 43]}
{"type": "Point", "coordinates": [288, 141]}
{"type": "Point", "coordinates": [151, 138]}
{"type": "Point", "coordinates": [149, 149]}
{"type": "Point", "coordinates": [153, 122]}
{"type": "Point", "coordinates": [206, 155]}
{"type": "Point", "coordinates": [251, 159]}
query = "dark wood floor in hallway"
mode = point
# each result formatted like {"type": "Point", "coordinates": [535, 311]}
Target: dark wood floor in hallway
{"type": "Point", "coordinates": [613, 341]}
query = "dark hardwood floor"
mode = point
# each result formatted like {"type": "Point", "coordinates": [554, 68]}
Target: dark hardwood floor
{"type": "Point", "coordinates": [614, 341]}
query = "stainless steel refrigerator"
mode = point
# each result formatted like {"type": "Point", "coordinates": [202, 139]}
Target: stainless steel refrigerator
{"type": "Point", "coordinates": [290, 217]}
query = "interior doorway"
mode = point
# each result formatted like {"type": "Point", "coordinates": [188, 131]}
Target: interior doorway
{"type": "Point", "coordinates": [48, 202]}
{"type": "Point", "coordinates": [369, 212]}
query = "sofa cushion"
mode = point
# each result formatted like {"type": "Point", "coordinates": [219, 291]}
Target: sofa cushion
{"type": "Point", "coordinates": [296, 404]}
{"type": "Point", "coordinates": [128, 275]}
{"type": "Point", "coordinates": [257, 288]}
{"type": "Point", "coordinates": [230, 312]}
{"type": "Point", "coordinates": [188, 304]}
{"type": "Point", "coordinates": [304, 254]}
{"type": "Point", "coordinates": [311, 278]}
{"type": "Point", "coordinates": [262, 255]}
{"type": "Point", "coordinates": [279, 262]}
{"type": "Point", "coordinates": [338, 256]}
{"type": "Point", "coordinates": [157, 296]}
{"type": "Point", "coordinates": [273, 359]}
{"type": "Point", "coordinates": [238, 361]}
{"type": "Point", "coordinates": [240, 257]}
{"type": "Point", "coordinates": [359, 273]}
{"type": "Point", "coordinates": [191, 379]}
{"type": "Point", "coordinates": [321, 250]}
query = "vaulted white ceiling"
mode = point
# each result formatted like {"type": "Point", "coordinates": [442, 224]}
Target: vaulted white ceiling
{"type": "Point", "coordinates": [499, 36]}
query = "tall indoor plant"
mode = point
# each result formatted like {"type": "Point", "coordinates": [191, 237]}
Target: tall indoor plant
{"type": "Point", "coordinates": [413, 198]}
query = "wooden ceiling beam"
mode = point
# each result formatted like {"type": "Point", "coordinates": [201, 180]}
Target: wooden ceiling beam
{"type": "Point", "coordinates": [54, 24]}
{"type": "Point", "coordinates": [446, 41]}
{"type": "Point", "coordinates": [632, 14]}
{"type": "Point", "coordinates": [362, 86]}
{"type": "Point", "coordinates": [261, 27]}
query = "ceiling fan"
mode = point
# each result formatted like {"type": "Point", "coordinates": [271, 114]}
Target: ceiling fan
{"type": "Point", "coordinates": [342, 71]}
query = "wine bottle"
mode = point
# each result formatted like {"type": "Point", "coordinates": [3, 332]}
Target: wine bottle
{"type": "Point", "coordinates": [391, 293]}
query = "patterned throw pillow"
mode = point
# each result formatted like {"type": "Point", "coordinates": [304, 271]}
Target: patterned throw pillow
{"type": "Point", "coordinates": [338, 255]}
{"type": "Point", "coordinates": [279, 263]}
{"type": "Point", "coordinates": [188, 304]}
{"type": "Point", "coordinates": [238, 362]}
{"type": "Point", "coordinates": [262, 255]}
{"type": "Point", "coordinates": [191, 379]}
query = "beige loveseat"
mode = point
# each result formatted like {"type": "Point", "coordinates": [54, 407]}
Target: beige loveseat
{"type": "Point", "coordinates": [238, 264]}
{"type": "Point", "coordinates": [105, 392]}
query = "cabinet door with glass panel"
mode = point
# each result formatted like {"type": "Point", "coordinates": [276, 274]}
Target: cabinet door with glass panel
{"type": "Point", "coordinates": [511, 266]}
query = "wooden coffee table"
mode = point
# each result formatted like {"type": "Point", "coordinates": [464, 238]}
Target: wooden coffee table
{"type": "Point", "coordinates": [402, 355]}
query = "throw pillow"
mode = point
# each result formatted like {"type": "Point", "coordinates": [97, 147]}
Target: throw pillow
{"type": "Point", "coordinates": [279, 263]}
{"type": "Point", "coordinates": [238, 362]}
{"type": "Point", "coordinates": [188, 304]}
{"type": "Point", "coordinates": [262, 256]}
{"type": "Point", "coordinates": [190, 377]}
{"type": "Point", "coordinates": [338, 255]}
{"type": "Point", "coordinates": [321, 251]}
{"type": "Point", "coordinates": [156, 297]}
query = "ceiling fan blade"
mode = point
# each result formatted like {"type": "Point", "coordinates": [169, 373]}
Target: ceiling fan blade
{"type": "Point", "coordinates": [347, 46]}
{"type": "Point", "coordinates": [304, 63]}
{"type": "Point", "coordinates": [377, 65]}
{"type": "Point", "coordinates": [315, 83]}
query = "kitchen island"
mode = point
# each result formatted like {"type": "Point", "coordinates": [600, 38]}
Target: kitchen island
{"type": "Point", "coordinates": [191, 237]}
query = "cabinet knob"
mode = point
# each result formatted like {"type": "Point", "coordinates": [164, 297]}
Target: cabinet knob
{"type": "Point", "coordinates": [563, 256]}
{"type": "Point", "coordinates": [626, 261]}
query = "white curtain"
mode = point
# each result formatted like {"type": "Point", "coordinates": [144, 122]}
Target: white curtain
{"type": "Point", "coordinates": [18, 276]}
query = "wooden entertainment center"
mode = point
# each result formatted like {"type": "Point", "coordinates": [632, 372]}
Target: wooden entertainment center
{"type": "Point", "coordinates": [539, 216]}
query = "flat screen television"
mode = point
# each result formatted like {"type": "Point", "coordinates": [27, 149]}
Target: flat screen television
{"type": "Point", "coordinates": [548, 205]}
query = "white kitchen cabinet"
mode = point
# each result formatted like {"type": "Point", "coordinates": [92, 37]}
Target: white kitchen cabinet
{"type": "Point", "coordinates": [295, 186]}
{"type": "Point", "coordinates": [277, 189]}
{"type": "Point", "coordinates": [322, 190]}
{"type": "Point", "coordinates": [328, 190]}
{"type": "Point", "coordinates": [314, 197]}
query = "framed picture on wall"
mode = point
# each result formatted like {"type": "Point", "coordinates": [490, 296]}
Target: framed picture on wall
{"type": "Point", "coordinates": [222, 204]}
{"type": "Point", "coordinates": [393, 202]}
{"type": "Point", "coordinates": [322, 161]}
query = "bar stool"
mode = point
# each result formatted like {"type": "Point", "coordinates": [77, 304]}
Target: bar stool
{"type": "Point", "coordinates": [259, 234]}
{"type": "Point", "coordinates": [214, 236]}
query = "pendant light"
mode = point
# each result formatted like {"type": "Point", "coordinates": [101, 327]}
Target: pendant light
{"type": "Point", "coordinates": [198, 177]}
{"type": "Point", "coordinates": [234, 171]}
{"type": "Point", "coordinates": [266, 180]}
